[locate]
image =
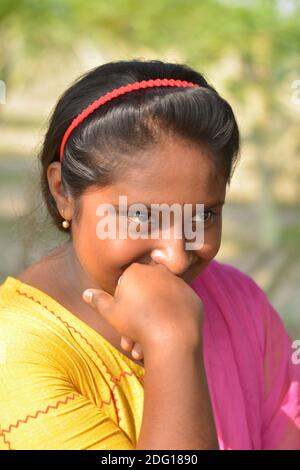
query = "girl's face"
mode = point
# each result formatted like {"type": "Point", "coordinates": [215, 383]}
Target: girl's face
{"type": "Point", "coordinates": [178, 172]}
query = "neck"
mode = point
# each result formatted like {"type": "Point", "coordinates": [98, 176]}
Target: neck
{"type": "Point", "coordinates": [74, 274]}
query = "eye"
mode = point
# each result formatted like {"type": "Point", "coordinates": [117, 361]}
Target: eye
{"type": "Point", "coordinates": [139, 217]}
{"type": "Point", "coordinates": [207, 218]}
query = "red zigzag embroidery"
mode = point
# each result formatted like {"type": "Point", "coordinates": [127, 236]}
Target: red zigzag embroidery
{"type": "Point", "coordinates": [24, 421]}
{"type": "Point", "coordinates": [115, 380]}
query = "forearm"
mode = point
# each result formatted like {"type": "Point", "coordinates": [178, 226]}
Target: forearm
{"type": "Point", "coordinates": [177, 409]}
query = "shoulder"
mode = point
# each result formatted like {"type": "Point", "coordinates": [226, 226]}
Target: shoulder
{"type": "Point", "coordinates": [24, 341]}
{"type": "Point", "coordinates": [28, 334]}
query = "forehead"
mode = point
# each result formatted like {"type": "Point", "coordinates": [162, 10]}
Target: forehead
{"type": "Point", "coordinates": [175, 171]}
{"type": "Point", "coordinates": [172, 171]}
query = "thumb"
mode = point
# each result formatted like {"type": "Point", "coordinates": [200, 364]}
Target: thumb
{"type": "Point", "coordinates": [99, 299]}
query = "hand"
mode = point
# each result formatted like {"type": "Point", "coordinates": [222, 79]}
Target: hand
{"type": "Point", "coordinates": [129, 345]}
{"type": "Point", "coordinates": [151, 306]}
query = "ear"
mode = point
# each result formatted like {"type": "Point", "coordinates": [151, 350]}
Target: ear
{"type": "Point", "coordinates": [64, 201]}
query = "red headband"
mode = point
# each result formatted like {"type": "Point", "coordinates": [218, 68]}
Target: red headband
{"type": "Point", "coordinates": [114, 94]}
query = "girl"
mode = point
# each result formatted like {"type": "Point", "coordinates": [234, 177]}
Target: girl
{"type": "Point", "coordinates": [218, 369]}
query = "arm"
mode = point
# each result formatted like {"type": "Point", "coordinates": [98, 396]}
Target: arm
{"type": "Point", "coordinates": [177, 412]}
{"type": "Point", "coordinates": [177, 409]}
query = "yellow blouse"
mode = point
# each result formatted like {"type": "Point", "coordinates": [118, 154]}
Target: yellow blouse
{"type": "Point", "coordinates": [62, 385]}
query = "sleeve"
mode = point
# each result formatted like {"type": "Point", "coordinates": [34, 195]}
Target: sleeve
{"type": "Point", "coordinates": [40, 409]}
{"type": "Point", "coordinates": [281, 400]}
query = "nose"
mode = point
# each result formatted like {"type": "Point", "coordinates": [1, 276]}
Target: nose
{"type": "Point", "coordinates": [174, 256]}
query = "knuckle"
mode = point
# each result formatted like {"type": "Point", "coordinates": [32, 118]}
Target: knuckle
{"type": "Point", "coordinates": [133, 270]}
{"type": "Point", "coordinates": [134, 266]}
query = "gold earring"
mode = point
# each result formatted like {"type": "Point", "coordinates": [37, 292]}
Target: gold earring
{"type": "Point", "coordinates": [65, 223]}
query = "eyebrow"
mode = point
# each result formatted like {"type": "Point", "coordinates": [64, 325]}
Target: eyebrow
{"type": "Point", "coordinates": [215, 204]}
{"type": "Point", "coordinates": [148, 206]}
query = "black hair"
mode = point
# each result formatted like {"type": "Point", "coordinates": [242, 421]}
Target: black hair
{"type": "Point", "coordinates": [112, 139]}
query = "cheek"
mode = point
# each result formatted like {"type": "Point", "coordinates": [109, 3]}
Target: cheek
{"type": "Point", "coordinates": [104, 256]}
{"type": "Point", "coordinates": [212, 242]}
{"type": "Point", "coordinates": [120, 252]}
{"type": "Point", "coordinates": [85, 236]}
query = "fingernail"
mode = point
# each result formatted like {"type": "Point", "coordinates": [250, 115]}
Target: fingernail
{"type": "Point", "coordinates": [88, 296]}
{"type": "Point", "coordinates": [135, 354]}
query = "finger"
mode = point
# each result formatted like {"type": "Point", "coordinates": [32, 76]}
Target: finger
{"type": "Point", "coordinates": [137, 351]}
{"type": "Point", "coordinates": [127, 343]}
{"type": "Point", "coordinates": [118, 284]}
{"type": "Point", "coordinates": [99, 299]}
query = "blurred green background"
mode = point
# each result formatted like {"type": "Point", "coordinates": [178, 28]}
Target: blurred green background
{"type": "Point", "coordinates": [249, 50]}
